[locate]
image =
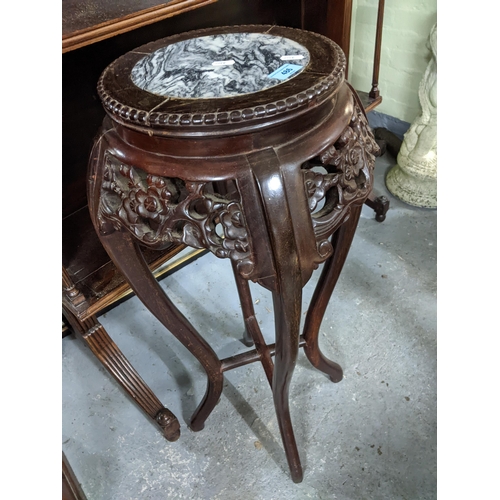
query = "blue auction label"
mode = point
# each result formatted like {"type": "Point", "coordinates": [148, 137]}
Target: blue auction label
{"type": "Point", "coordinates": [285, 71]}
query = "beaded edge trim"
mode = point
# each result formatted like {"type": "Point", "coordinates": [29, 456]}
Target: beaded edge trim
{"type": "Point", "coordinates": [155, 119]}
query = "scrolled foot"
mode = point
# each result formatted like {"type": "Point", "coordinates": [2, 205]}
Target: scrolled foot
{"type": "Point", "coordinates": [169, 424]}
{"type": "Point", "coordinates": [195, 426]}
{"type": "Point", "coordinates": [337, 376]}
{"type": "Point", "coordinates": [322, 363]}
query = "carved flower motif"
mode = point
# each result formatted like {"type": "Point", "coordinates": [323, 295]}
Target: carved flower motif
{"type": "Point", "coordinates": [164, 188]}
{"type": "Point", "coordinates": [159, 210]}
{"type": "Point", "coordinates": [146, 204]}
{"type": "Point", "coordinates": [191, 236]}
{"type": "Point", "coordinates": [353, 162]}
{"type": "Point", "coordinates": [315, 188]}
{"type": "Point", "coordinates": [349, 161]}
{"type": "Point", "coordinates": [235, 232]}
{"type": "Point", "coordinates": [328, 155]}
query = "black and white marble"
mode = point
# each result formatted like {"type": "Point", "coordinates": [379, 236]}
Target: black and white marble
{"type": "Point", "coordinates": [220, 65]}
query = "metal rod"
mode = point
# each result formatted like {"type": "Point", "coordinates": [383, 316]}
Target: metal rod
{"type": "Point", "coordinates": [374, 92]}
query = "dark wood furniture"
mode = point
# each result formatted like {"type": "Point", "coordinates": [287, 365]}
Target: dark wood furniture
{"type": "Point", "coordinates": [90, 281]}
{"type": "Point", "coordinates": [94, 34]}
{"type": "Point", "coordinates": [86, 22]}
{"type": "Point", "coordinates": [200, 149]}
{"type": "Point", "coordinates": [71, 488]}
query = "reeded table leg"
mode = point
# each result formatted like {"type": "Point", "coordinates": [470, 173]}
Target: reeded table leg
{"type": "Point", "coordinates": [127, 256]}
{"type": "Point", "coordinates": [108, 353]}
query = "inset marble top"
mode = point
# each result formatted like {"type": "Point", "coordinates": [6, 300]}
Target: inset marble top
{"type": "Point", "coordinates": [222, 65]}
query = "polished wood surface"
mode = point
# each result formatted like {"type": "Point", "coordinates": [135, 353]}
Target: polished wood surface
{"type": "Point", "coordinates": [330, 18]}
{"type": "Point", "coordinates": [92, 271]}
{"type": "Point", "coordinates": [93, 36]}
{"type": "Point", "coordinates": [375, 92]}
{"type": "Point", "coordinates": [86, 22]}
{"type": "Point", "coordinates": [71, 487]}
{"type": "Point", "coordinates": [237, 176]}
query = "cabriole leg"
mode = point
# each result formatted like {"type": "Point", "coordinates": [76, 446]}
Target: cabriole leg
{"type": "Point", "coordinates": [287, 296]}
{"type": "Point", "coordinates": [127, 256]}
{"type": "Point", "coordinates": [287, 307]}
{"type": "Point", "coordinates": [341, 242]}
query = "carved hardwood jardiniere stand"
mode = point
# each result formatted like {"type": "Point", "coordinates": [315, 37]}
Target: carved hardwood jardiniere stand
{"type": "Point", "coordinates": [248, 142]}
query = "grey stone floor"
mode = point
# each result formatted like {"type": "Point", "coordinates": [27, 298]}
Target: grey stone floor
{"type": "Point", "coordinates": [371, 436]}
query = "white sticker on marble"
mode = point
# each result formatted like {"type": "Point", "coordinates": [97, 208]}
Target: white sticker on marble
{"type": "Point", "coordinates": [292, 58]}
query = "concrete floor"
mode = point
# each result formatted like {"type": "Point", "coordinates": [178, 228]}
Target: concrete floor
{"type": "Point", "coordinates": [371, 436]}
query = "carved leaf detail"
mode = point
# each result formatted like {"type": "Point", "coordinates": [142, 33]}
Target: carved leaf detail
{"type": "Point", "coordinates": [346, 177]}
{"type": "Point", "coordinates": [159, 211]}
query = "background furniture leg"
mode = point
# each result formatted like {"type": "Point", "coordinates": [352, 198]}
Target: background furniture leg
{"type": "Point", "coordinates": [71, 487]}
{"type": "Point", "coordinates": [380, 204]}
{"type": "Point", "coordinates": [108, 353]}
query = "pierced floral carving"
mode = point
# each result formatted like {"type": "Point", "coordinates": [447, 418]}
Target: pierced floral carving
{"type": "Point", "coordinates": [159, 211]}
{"type": "Point", "coordinates": [339, 177]}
